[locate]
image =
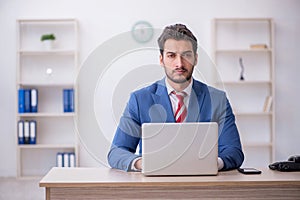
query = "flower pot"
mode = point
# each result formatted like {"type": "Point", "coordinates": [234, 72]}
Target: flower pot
{"type": "Point", "coordinates": [48, 44]}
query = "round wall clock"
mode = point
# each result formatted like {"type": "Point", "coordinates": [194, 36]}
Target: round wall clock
{"type": "Point", "coordinates": [142, 31]}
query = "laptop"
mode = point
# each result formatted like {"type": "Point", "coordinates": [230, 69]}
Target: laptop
{"type": "Point", "coordinates": [180, 149]}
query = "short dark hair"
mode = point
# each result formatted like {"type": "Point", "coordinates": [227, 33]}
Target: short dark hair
{"type": "Point", "coordinates": [176, 32]}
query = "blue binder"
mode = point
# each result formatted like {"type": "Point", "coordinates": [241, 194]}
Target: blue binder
{"type": "Point", "coordinates": [72, 159]}
{"type": "Point", "coordinates": [21, 132]}
{"type": "Point", "coordinates": [26, 132]}
{"type": "Point", "coordinates": [59, 159]}
{"type": "Point", "coordinates": [34, 100]}
{"type": "Point", "coordinates": [66, 102]}
{"type": "Point", "coordinates": [21, 100]}
{"type": "Point", "coordinates": [66, 160]}
{"type": "Point", "coordinates": [27, 97]}
{"type": "Point", "coordinates": [32, 132]}
{"type": "Point", "coordinates": [71, 100]}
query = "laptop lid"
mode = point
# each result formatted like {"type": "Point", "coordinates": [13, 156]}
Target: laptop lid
{"type": "Point", "coordinates": [180, 148]}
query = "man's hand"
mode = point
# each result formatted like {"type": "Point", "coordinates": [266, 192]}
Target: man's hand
{"type": "Point", "coordinates": [138, 164]}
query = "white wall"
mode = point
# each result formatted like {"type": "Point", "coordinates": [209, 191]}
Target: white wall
{"type": "Point", "coordinates": [99, 21]}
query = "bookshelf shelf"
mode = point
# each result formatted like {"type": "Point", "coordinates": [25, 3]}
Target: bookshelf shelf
{"type": "Point", "coordinates": [51, 71]}
{"type": "Point", "coordinates": [50, 84]}
{"type": "Point", "coordinates": [240, 83]}
{"type": "Point", "coordinates": [49, 52]}
{"type": "Point", "coordinates": [72, 114]}
{"type": "Point", "coordinates": [244, 47]}
{"type": "Point", "coordinates": [258, 145]}
{"type": "Point", "coordinates": [48, 21]}
{"type": "Point", "coordinates": [241, 114]}
{"type": "Point", "coordinates": [47, 146]}
{"type": "Point", "coordinates": [236, 51]}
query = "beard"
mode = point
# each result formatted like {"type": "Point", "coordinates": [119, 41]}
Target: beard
{"type": "Point", "coordinates": [186, 77]}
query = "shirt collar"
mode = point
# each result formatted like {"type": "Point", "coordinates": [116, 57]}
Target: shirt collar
{"type": "Point", "coordinates": [187, 90]}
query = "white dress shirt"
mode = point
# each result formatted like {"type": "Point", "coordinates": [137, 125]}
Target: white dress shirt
{"type": "Point", "coordinates": [174, 100]}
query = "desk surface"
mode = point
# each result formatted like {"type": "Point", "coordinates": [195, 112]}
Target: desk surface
{"type": "Point", "coordinates": [97, 177]}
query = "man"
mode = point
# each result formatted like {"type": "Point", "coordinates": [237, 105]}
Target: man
{"type": "Point", "coordinates": [176, 98]}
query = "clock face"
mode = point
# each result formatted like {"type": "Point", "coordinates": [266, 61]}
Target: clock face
{"type": "Point", "coordinates": [142, 31]}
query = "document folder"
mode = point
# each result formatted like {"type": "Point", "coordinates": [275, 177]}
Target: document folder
{"type": "Point", "coordinates": [32, 132]}
{"type": "Point", "coordinates": [34, 100]}
{"type": "Point", "coordinates": [21, 132]}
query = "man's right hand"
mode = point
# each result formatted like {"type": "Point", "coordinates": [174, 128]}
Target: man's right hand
{"type": "Point", "coordinates": [138, 164]}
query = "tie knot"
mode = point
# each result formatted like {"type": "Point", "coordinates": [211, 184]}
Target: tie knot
{"type": "Point", "coordinates": [179, 95]}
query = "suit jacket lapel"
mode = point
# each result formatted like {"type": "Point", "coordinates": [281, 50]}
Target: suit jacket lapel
{"type": "Point", "coordinates": [195, 103]}
{"type": "Point", "coordinates": [161, 97]}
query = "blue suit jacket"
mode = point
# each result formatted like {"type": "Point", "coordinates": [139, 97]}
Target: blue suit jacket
{"type": "Point", "coordinates": [152, 104]}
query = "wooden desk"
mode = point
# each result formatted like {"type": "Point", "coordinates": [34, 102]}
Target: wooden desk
{"type": "Point", "coordinates": [104, 183]}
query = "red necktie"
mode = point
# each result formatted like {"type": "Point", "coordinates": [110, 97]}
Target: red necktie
{"type": "Point", "coordinates": [181, 110]}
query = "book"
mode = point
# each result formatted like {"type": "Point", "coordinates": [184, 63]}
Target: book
{"type": "Point", "coordinates": [268, 104]}
{"type": "Point", "coordinates": [258, 46]}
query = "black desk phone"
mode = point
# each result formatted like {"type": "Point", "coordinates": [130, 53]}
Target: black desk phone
{"type": "Point", "coordinates": [293, 164]}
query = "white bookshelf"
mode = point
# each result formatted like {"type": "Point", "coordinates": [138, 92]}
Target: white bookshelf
{"type": "Point", "coordinates": [49, 71]}
{"type": "Point", "coordinates": [232, 40]}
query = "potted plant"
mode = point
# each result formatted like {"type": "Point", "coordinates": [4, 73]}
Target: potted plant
{"type": "Point", "coordinates": [48, 40]}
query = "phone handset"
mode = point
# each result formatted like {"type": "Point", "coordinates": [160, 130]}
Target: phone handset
{"type": "Point", "coordinates": [293, 164]}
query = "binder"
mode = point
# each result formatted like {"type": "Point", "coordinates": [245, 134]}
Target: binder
{"type": "Point", "coordinates": [26, 132]}
{"type": "Point", "coordinates": [72, 159]}
{"type": "Point", "coordinates": [66, 160]}
{"type": "Point", "coordinates": [27, 100]}
{"type": "Point", "coordinates": [32, 132]}
{"type": "Point", "coordinates": [34, 100]}
{"type": "Point", "coordinates": [21, 132]}
{"type": "Point", "coordinates": [66, 101]}
{"type": "Point", "coordinates": [71, 100]}
{"type": "Point", "coordinates": [21, 100]}
{"type": "Point", "coordinates": [59, 159]}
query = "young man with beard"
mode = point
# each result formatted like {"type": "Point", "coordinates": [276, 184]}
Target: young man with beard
{"type": "Point", "coordinates": [160, 101]}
